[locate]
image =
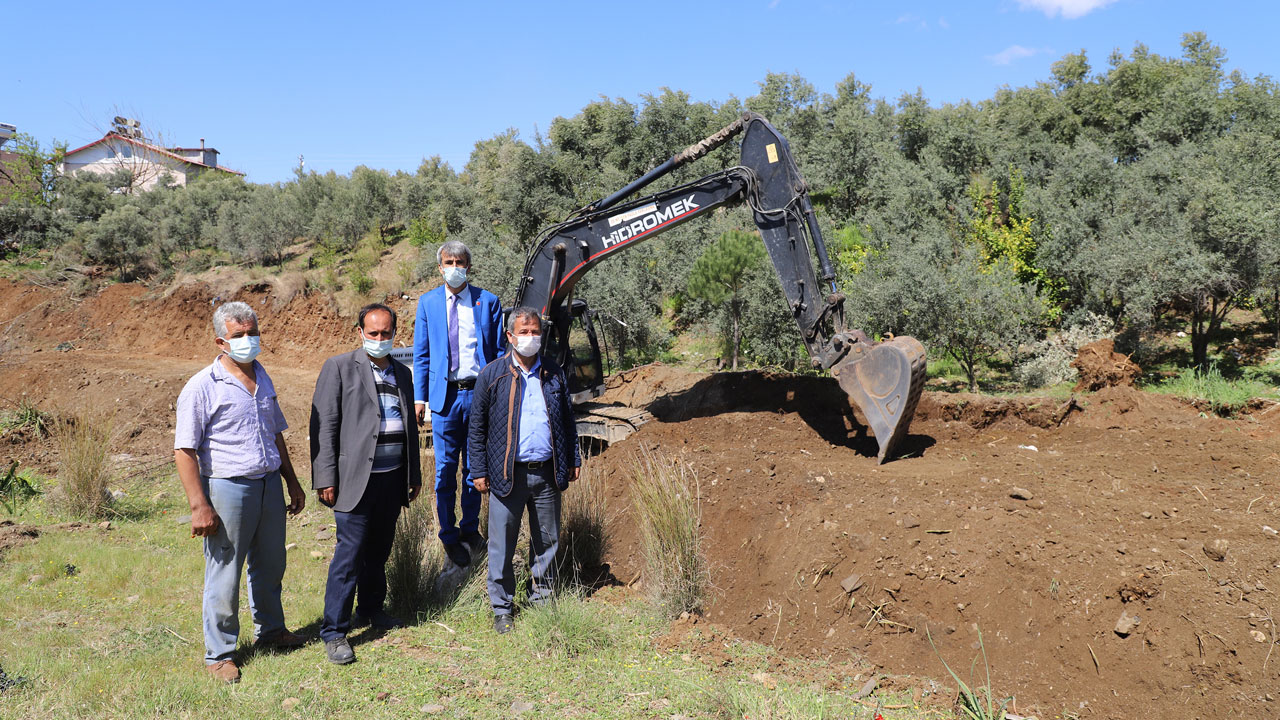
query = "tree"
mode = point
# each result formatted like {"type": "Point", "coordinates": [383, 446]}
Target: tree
{"type": "Point", "coordinates": [119, 239]}
{"type": "Point", "coordinates": [720, 273]}
{"type": "Point", "coordinates": [31, 174]}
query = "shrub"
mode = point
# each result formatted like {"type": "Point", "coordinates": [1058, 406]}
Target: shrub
{"type": "Point", "coordinates": [84, 452]}
{"type": "Point", "coordinates": [1048, 362]}
{"type": "Point", "coordinates": [15, 488]}
{"type": "Point", "coordinates": [583, 537]}
{"type": "Point", "coordinates": [410, 568]}
{"type": "Point", "coordinates": [669, 515]}
{"type": "Point", "coordinates": [565, 627]}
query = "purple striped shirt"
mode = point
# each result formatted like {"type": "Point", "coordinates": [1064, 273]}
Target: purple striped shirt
{"type": "Point", "coordinates": [232, 432]}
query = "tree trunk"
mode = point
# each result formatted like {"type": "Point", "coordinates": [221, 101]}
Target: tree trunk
{"type": "Point", "coordinates": [1275, 315]}
{"type": "Point", "coordinates": [737, 335]}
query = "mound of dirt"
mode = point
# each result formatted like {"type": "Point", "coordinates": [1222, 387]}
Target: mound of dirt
{"type": "Point", "coordinates": [1036, 522]}
{"type": "Point", "coordinates": [1100, 366]}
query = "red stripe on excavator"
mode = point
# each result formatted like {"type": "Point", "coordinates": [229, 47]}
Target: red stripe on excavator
{"type": "Point", "coordinates": [610, 249]}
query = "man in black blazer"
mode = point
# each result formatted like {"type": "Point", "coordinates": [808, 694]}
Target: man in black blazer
{"type": "Point", "coordinates": [365, 465]}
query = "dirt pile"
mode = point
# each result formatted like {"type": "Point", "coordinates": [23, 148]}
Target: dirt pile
{"type": "Point", "coordinates": [1037, 522]}
{"type": "Point", "coordinates": [1100, 366]}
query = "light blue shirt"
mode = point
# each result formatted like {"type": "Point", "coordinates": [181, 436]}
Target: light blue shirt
{"type": "Point", "coordinates": [467, 340]}
{"type": "Point", "coordinates": [534, 443]}
{"type": "Point", "coordinates": [232, 431]}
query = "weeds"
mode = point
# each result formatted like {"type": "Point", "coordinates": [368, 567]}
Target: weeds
{"type": "Point", "coordinates": [15, 488]}
{"type": "Point", "coordinates": [1225, 397]}
{"type": "Point", "coordinates": [26, 417]}
{"type": "Point", "coordinates": [410, 572]}
{"type": "Point", "coordinates": [971, 700]}
{"type": "Point", "coordinates": [566, 627]}
{"type": "Point", "coordinates": [669, 516]}
{"type": "Point", "coordinates": [583, 536]}
{"type": "Point", "coordinates": [84, 451]}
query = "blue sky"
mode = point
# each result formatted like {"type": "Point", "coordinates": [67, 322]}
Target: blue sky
{"type": "Point", "coordinates": [386, 84]}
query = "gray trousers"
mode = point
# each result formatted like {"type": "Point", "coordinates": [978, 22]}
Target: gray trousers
{"type": "Point", "coordinates": [536, 491]}
{"type": "Point", "coordinates": [252, 529]}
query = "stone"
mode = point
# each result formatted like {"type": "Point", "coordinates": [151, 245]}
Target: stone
{"type": "Point", "coordinates": [1258, 636]}
{"type": "Point", "coordinates": [1127, 623]}
{"type": "Point", "coordinates": [104, 525]}
{"type": "Point", "coordinates": [766, 680]}
{"type": "Point", "coordinates": [1216, 549]}
{"type": "Point", "coordinates": [520, 707]}
{"type": "Point", "coordinates": [909, 522]}
{"type": "Point", "coordinates": [431, 709]}
{"type": "Point", "coordinates": [317, 554]}
{"type": "Point", "coordinates": [290, 703]}
{"type": "Point", "coordinates": [183, 520]}
{"type": "Point", "coordinates": [290, 546]}
{"type": "Point", "coordinates": [1018, 493]}
{"type": "Point", "coordinates": [382, 696]}
{"type": "Point", "coordinates": [851, 583]}
{"type": "Point", "coordinates": [1146, 515]}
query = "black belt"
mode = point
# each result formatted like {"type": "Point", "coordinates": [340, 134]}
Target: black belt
{"type": "Point", "coordinates": [534, 465]}
{"type": "Point", "coordinates": [466, 384]}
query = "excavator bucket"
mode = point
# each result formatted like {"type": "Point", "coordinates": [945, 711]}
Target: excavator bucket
{"type": "Point", "coordinates": [885, 380]}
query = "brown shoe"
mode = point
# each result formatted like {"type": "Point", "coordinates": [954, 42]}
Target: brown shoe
{"type": "Point", "coordinates": [281, 640]}
{"type": "Point", "coordinates": [224, 670]}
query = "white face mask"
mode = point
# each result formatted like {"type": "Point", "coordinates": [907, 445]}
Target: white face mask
{"type": "Point", "coordinates": [528, 345]}
{"type": "Point", "coordinates": [244, 348]}
{"type": "Point", "coordinates": [376, 348]}
{"type": "Point", "coordinates": [455, 276]}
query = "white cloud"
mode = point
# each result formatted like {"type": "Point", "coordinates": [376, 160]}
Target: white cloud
{"type": "Point", "coordinates": [1069, 9]}
{"type": "Point", "coordinates": [942, 23]}
{"type": "Point", "coordinates": [1014, 52]}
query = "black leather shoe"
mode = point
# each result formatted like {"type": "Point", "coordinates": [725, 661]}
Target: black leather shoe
{"type": "Point", "coordinates": [339, 651]}
{"type": "Point", "coordinates": [379, 620]}
{"type": "Point", "coordinates": [458, 553]}
{"type": "Point", "coordinates": [503, 624]}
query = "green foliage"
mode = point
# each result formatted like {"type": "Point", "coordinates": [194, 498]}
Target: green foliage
{"type": "Point", "coordinates": [976, 703]}
{"type": "Point", "coordinates": [120, 238]}
{"type": "Point", "coordinates": [16, 488]}
{"type": "Point", "coordinates": [1223, 396]}
{"type": "Point", "coordinates": [30, 175]}
{"type": "Point", "coordinates": [423, 232]}
{"type": "Point", "coordinates": [719, 276]}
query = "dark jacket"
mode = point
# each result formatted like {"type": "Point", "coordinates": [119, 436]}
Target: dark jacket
{"type": "Point", "coordinates": [495, 423]}
{"type": "Point", "coordinates": [345, 423]}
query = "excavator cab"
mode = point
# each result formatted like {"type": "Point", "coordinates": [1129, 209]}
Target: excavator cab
{"type": "Point", "coordinates": [576, 349]}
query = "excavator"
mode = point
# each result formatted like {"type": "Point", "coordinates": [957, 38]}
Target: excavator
{"type": "Point", "coordinates": [884, 378]}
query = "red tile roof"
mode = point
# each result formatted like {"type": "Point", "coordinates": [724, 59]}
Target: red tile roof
{"type": "Point", "coordinates": [152, 148]}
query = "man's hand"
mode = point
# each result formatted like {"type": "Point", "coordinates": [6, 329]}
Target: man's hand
{"type": "Point", "coordinates": [328, 496]}
{"type": "Point", "coordinates": [204, 521]}
{"type": "Point", "coordinates": [413, 492]}
{"type": "Point", "coordinates": [421, 410]}
{"type": "Point", "coordinates": [481, 484]}
{"type": "Point", "coordinates": [297, 498]}
{"type": "Point", "coordinates": [576, 472]}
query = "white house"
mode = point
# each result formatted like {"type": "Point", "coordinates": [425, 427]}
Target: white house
{"type": "Point", "coordinates": [147, 163]}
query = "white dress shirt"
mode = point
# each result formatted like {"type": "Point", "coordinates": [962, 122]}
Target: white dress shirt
{"type": "Point", "coordinates": [467, 340]}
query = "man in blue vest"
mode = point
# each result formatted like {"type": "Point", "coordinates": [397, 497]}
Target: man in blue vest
{"type": "Point", "coordinates": [457, 332]}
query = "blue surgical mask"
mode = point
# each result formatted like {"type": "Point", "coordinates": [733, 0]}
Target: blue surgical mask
{"type": "Point", "coordinates": [376, 348]}
{"type": "Point", "coordinates": [244, 348]}
{"type": "Point", "coordinates": [455, 276]}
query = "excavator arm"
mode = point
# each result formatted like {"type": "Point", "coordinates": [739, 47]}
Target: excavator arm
{"type": "Point", "coordinates": [884, 379]}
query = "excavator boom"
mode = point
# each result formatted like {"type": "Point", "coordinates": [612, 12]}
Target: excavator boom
{"type": "Point", "coordinates": [883, 378]}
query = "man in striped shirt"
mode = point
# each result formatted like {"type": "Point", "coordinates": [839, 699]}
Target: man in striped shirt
{"type": "Point", "coordinates": [365, 465]}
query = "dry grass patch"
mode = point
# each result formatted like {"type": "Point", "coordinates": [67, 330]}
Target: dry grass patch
{"type": "Point", "coordinates": [665, 492]}
{"type": "Point", "coordinates": [84, 462]}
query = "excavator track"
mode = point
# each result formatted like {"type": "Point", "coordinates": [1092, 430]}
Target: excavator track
{"type": "Point", "coordinates": [885, 379]}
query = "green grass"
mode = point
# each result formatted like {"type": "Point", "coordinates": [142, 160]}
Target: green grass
{"type": "Point", "coordinates": [1225, 396]}
{"type": "Point", "coordinates": [121, 638]}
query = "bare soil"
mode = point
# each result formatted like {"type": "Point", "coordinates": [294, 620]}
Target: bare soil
{"type": "Point", "coordinates": [1036, 521]}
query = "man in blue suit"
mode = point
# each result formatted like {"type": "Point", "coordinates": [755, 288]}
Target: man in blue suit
{"type": "Point", "coordinates": [457, 332]}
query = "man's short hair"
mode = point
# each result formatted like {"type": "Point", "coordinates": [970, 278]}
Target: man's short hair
{"type": "Point", "coordinates": [371, 307]}
{"type": "Point", "coordinates": [236, 311]}
{"type": "Point", "coordinates": [524, 313]}
{"type": "Point", "coordinates": [453, 249]}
